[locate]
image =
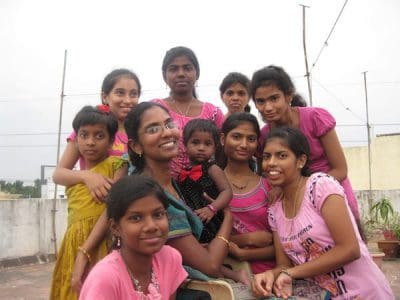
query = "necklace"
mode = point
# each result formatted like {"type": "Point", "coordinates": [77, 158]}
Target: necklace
{"type": "Point", "coordinates": [179, 110]}
{"type": "Point", "coordinates": [240, 187]}
{"type": "Point", "coordinates": [136, 283]}
{"type": "Point", "coordinates": [296, 198]}
{"type": "Point", "coordinates": [237, 186]}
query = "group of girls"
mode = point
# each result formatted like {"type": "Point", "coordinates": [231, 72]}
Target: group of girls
{"type": "Point", "coordinates": [181, 214]}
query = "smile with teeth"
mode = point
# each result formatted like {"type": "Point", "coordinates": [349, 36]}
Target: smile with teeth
{"type": "Point", "coordinates": [168, 144]}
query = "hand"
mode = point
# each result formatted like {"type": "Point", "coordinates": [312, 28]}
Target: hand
{"type": "Point", "coordinates": [283, 286]}
{"type": "Point", "coordinates": [98, 185]}
{"type": "Point", "coordinates": [262, 284]}
{"type": "Point", "coordinates": [205, 214]}
{"type": "Point", "coordinates": [78, 271]}
{"type": "Point", "coordinates": [235, 250]}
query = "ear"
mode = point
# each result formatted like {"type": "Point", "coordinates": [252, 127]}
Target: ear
{"type": "Point", "coordinates": [135, 147]}
{"type": "Point", "coordinates": [115, 228]}
{"type": "Point", "coordinates": [301, 161]}
{"type": "Point", "coordinates": [104, 98]}
{"type": "Point", "coordinates": [222, 139]}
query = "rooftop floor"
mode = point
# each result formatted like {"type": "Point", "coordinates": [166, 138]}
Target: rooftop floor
{"type": "Point", "coordinates": [33, 281]}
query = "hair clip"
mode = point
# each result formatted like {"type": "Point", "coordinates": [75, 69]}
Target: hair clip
{"type": "Point", "coordinates": [103, 108]}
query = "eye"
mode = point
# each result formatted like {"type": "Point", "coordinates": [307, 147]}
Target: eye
{"type": "Point", "coordinates": [242, 93]}
{"type": "Point", "coordinates": [235, 136]}
{"type": "Point", "coordinates": [153, 129]}
{"type": "Point", "coordinates": [209, 143]}
{"type": "Point", "coordinates": [266, 156]}
{"type": "Point", "coordinates": [135, 218]}
{"type": "Point", "coordinates": [119, 92]}
{"type": "Point", "coordinates": [229, 93]}
{"type": "Point", "coordinates": [282, 155]}
{"type": "Point", "coordinates": [133, 94]}
{"type": "Point", "coordinates": [100, 136]}
{"type": "Point", "coordinates": [252, 139]}
{"type": "Point", "coordinates": [172, 69]}
{"type": "Point", "coordinates": [188, 68]}
{"type": "Point", "coordinates": [171, 125]}
{"type": "Point", "coordinates": [194, 142]}
{"type": "Point", "coordinates": [260, 101]}
{"type": "Point", "coordinates": [274, 98]}
{"type": "Point", "coordinates": [160, 214]}
{"type": "Point", "coordinates": [82, 135]}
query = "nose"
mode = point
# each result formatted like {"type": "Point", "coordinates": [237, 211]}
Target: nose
{"type": "Point", "coordinates": [243, 142]}
{"type": "Point", "coordinates": [90, 141]}
{"type": "Point", "coordinates": [268, 106]}
{"type": "Point", "coordinates": [180, 72]}
{"type": "Point", "coordinates": [150, 225]}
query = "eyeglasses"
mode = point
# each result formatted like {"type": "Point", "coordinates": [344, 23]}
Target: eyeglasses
{"type": "Point", "coordinates": [154, 129]}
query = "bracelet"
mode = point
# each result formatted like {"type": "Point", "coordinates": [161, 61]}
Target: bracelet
{"type": "Point", "coordinates": [86, 253]}
{"type": "Point", "coordinates": [286, 272]}
{"type": "Point", "coordinates": [212, 208]}
{"type": "Point", "coordinates": [223, 239]}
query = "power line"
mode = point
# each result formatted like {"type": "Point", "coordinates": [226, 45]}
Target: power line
{"type": "Point", "coordinates": [329, 35]}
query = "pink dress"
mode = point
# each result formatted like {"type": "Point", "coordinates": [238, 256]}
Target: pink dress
{"type": "Point", "coordinates": [314, 123]}
{"type": "Point", "coordinates": [209, 112]}
{"type": "Point", "coordinates": [119, 147]}
{"type": "Point", "coordinates": [306, 237]}
{"type": "Point", "coordinates": [250, 213]}
{"type": "Point", "coordinates": [110, 280]}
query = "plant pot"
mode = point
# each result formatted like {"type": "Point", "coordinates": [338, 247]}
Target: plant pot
{"type": "Point", "coordinates": [389, 248]}
{"type": "Point", "coordinates": [389, 235]}
{"type": "Point", "coordinates": [377, 257]}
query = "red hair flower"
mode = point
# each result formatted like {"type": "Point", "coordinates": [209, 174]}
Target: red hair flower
{"type": "Point", "coordinates": [103, 108]}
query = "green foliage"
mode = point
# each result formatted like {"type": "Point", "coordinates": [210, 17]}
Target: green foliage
{"type": "Point", "coordinates": [17, 187]}
{"type": "Point", "coordinates": [382, 210]}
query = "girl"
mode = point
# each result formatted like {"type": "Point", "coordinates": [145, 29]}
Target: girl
{"type": "Point", "coordinates": [181, 70]}
{"type": "Point", "coordinates": [120, 91]}
{"type": "Point", "coordinates": [315, 234]}
{"type": "Point", "coordinates": [153, 143]}
{"type": "Point", "coordinates": [272, 91]}
{"type": "Point", "coordinates": [141, 267]}
{"type": "Point", "coordinates": [201, 139]}
{"type": "Point", "coordinates": [251, 239]}
{"type": "Point", "coordinates": [234, 91]}
{"type": "Point", "coordinates": [95, 129]}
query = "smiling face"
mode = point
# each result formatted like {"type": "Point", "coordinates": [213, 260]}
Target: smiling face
{"type": "Point", "coordinates": [93, 142]}
{"type": "Point", "coordinates": [235, 97]}
{"type": "Point", "coordinates": [158, 136]}
{"type": "Point", "coordinates": [181, 75]}
{"type": "Point", "coordinates": [200, 146]}
{"type": "Point", "coordinates": [280, 165]}
{"type": "Point", "coordinates": [272, 103]}
{"type": "Point", "coordinates": [240, 143]}
{"type": "Point", "coordinates": [144, 227]}
{"type": "Point", "coordinates": [123, 97]}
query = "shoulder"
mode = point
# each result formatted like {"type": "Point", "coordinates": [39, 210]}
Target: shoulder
{"type": "Point", "coordinates": [320, 186]}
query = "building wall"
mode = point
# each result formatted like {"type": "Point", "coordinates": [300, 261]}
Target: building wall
{"type": "Point", "coordinates": [385, 164]}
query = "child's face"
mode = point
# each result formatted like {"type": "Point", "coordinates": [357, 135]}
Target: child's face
{"type": "Point", "coordinates": [200, 146]}
{"type": "Point", "coordinates": [93, 142]}
{"type": "Point", "coordinates": [280, 164]}
{"type": "Point", "coordinates": [241, 142]}
{"type": "Point", "coordinates": [144, 227]}
{"type": "Point", "coordinates": [236, 98]}
{"type": "Point", "coordinates": [123, 97]}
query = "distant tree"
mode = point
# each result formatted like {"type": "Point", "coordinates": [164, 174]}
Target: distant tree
{"type": "Point", "coordinates": [18, 187]}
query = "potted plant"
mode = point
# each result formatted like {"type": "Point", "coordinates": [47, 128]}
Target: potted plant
{"type": "Point", "coordinates": [388, 221]}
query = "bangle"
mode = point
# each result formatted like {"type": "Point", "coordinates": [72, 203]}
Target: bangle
{"type": "Point", "coordinates": [86, 253]}
{"type": "Point", "coordinates": [286, 272]}
{"type": "Point", "coordinates": [212, 208]}
{"type": "Point", "coordinates": [223, 239]}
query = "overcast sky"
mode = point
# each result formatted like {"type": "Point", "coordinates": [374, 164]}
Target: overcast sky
{"type": "Point", "coordinates": [226, 36]}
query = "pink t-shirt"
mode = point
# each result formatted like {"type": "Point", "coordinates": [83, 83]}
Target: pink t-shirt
{"type": "Point", "coordinates": [109, 279]}
{"type": "Point", "coordinates": [314, 123]}
{"type": "Point", "coordinates": [119, 147]}
{"type": "Point", "coordinates": [306, 237]}
{"type": "Point", "coordinates": [250, 214]}
{"type": "Point", "coordinates": [208, 112]}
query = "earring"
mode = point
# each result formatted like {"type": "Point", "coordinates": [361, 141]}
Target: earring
{"type": "Point", "coordinates": [301, 166]}
{"type": "Point", "coordinates": [118, 242]}
{"type": "Point", "coordinates": [139, 154]}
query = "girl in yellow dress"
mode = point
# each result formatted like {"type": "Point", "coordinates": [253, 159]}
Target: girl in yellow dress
{"type": "Point", "coordinates": [95, 129]}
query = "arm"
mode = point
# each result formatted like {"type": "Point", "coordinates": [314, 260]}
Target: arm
{"type": "Point", "coordinates": [346, 249]}
{"type": "Point", "coordinates": [224, 197]}
{"type": "Point", "coordinates": [207, 260]}
{"type": "Point", "coordinates": [253, 239]}
{"type": "Point", "coordinates": [64, 175]}
{"type": "Point", "coordinates": [249, 254]}
{"type": "Point", "coordinates": [335, 155]}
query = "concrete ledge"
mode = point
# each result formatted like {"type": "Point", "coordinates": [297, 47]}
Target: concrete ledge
{"type": "Point", "coordinates": [39, 258]}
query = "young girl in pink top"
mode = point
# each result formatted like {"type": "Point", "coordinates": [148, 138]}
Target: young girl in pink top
{"type": "Point", "coordinates": [251, 238]}
{"type": "Point", "coordinates": [141, 267]}
{"type": "Point", "coordinates": [181, 70]}
{"type": "Point", "coordinates": [314, 232]}
{"type": "Point", "coordinates": [120, 91]}
{"type": "Point", "coordinates": [273, 93]}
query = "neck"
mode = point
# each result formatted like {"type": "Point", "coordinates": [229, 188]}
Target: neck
{"type": "Point", "coordinates": [291, 188]}
{"type": "Point", "coordinates": [159, 171]}
{"type": "Point", "coordinates": [121, 126]}
{"type": "Point", "coordinates": [237, 167]}
{"type": "Point", "coordinates": [139, 265]}
{"type": "Point", "coordinates": [287, 119]}
{"type": "Point", "coordinates": [182, 98]}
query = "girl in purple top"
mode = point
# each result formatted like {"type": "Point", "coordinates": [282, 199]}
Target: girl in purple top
{"type": "Point", "coordinates": [273, 91]}
{"type": "Point", "coordinates": [181, 70]}
{"type": "Point", "coordinates": [314, 232]}
{"type": "Point", "coordinates": [120, 91]}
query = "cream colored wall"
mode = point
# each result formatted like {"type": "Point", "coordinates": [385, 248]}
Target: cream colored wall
{"type": "Point", "coordinates": [385, 164]}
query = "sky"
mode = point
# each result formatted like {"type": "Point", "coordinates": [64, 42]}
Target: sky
{"type": "Point", "coordinates": [226, 36]}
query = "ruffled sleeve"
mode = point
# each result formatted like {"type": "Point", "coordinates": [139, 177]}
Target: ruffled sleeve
{"type": "Point", "coordinates": [71, 137]}
{"type": "Point", "coordinates": [322, 121]}
{"type": "Point", "coordinates": [271, 217]}
{"type": "Point", "coordinates": [324, 185]}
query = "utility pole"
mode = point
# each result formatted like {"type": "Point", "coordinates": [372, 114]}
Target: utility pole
{"type": "Point", "coordinates": [54, 210]}
{"type": "Point", "coordinates": [369, 139]}
{"type": "Point", "coordinates": [308, 74]}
